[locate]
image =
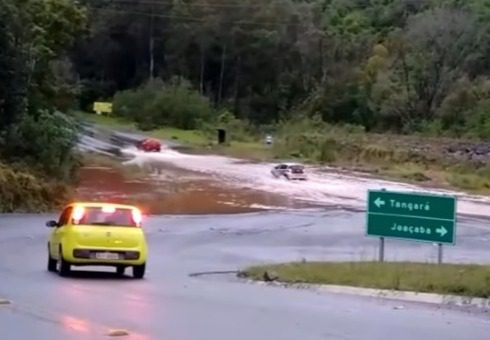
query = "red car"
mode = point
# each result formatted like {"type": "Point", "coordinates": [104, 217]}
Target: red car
{"type": "Point", "coordinates": [149, 145]}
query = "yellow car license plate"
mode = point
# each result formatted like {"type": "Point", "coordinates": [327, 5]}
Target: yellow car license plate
{"type": "Point", "coordinates": [107, 256]}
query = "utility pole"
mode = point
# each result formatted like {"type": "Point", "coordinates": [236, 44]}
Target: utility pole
{"type": "Point", "coordinates": [152, 44]}
{"type": "Point", "coordinates": [222, 72]}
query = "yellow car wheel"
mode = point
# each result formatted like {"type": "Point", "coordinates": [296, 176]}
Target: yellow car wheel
{"type": "Point", "coordinates": [139, 271]}
{"type": "Point", "coordinates": [64, 267]}
{"type": "Point", "coordinates": [51, 262]}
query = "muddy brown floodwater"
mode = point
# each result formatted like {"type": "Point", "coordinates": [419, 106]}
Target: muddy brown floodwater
{"type": "Point", "coordinates": [175, 191]}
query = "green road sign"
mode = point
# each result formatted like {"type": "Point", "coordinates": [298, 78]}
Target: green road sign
{"type": "Point", "coordinates": [411, 216]}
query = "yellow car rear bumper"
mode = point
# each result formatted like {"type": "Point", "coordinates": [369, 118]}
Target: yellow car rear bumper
{"type": "Point", "coordinates": [93, 256]}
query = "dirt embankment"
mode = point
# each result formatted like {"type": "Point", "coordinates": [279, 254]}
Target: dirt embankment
{"type": "Point", "coordinates": [445, 150]}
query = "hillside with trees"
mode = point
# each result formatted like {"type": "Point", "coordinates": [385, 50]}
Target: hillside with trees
{"type": "Point", "coordinates": [360, 84]}
{"type": "Point", "coordinates": [387, 65]}
{"type": "Point", "coordinates": [36, 141]}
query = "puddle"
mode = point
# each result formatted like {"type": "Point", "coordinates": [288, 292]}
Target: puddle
{"type": "Point", "coordinates": [171, 190]}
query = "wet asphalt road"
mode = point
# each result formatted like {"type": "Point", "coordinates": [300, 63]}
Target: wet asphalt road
{"type": "Point", "coordinates": [171, 304]}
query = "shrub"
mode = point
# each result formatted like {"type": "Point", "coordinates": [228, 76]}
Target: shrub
{"type": "Point", "coordinates": [45, 143]}
{"type": "Point", "coordinates": [156, 104]}
{"type": "Point", "coordinates": [328, 151]}
{"type": "Point", "coordinates": [237, 130]}
{"type": "Point", "coordinates": [479, 120]}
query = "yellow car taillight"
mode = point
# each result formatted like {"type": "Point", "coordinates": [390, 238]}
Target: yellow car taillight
{"type": "Point", "coordinates": [78, 213]}
{"type": "Point", "coordinates": [137, 216]}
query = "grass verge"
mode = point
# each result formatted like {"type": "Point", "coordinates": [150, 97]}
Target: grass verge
{"type": "Point", "coordinates": [190, 137]}
{"type": "Point", "coordinates": [446, 279]}
{"type": "Point", "coordinates": [193, 139]}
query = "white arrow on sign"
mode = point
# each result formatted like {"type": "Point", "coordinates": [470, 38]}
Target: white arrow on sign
{"type": "Point", "coordinates": [379, 202]}
{"type": "Point", "coordinates": [441, 231]}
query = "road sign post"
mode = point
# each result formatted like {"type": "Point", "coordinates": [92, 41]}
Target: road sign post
{"type": "Point", "coordinates": [381, 249]}
{"type": "Point", "coordinates": [439, 253]}
{"type": "Point", "coordinates": [411, 216]}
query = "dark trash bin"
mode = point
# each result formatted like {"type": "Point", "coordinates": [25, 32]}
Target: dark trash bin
{"type": "Point", "coordinates": [221, 136]}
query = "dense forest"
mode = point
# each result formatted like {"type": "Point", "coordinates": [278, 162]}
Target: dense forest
{"type": "Point", "coordinates": [404, 66]}
{"type": "Point", "coordinates": [36, 141]}
{"type": "Point", "coordinates": [401, 65]}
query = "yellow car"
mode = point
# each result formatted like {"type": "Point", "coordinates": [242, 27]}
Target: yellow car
{"type": "Point", "coordinates": [98, 234]}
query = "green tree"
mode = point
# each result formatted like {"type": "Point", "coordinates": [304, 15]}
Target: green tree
{"type": "Point", "coordinates": [384, 64]}
{"type": "Point", "coordinates": [156, 104]}
{"type": "Point", "coordinates": [34, 35]}
{"type": "Point", "coordinates": [46, 143]}
{"type": "Point", "coordinates": [428, 57]}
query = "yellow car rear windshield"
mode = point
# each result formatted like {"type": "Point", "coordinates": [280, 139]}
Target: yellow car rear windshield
{"type": "Point", "coordinates": [106, 216]}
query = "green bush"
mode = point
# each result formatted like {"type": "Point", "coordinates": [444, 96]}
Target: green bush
{"type": "Point", "coordinates": [328, 151]}
{"type": "Point", "coordinates": [129, 104]}
{"type": "Point", "coordinates": [237, 130]}
{"type": "Point", "coordinates": [156, 104]}
{"type": "Point", "coordinates": [299, 124]}
{"type": "Point", "coordinates": [45, 143]}
{"type": "Point", "coordinates": [479, 120]}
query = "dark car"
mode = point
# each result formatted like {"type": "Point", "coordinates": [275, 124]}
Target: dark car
{"type": "Point", "coordinates": [289, 171]}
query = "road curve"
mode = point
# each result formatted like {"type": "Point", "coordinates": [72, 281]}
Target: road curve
{"type": "Point", "coordinates": [171, 304]}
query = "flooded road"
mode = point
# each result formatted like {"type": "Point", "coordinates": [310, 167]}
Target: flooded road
{"type": "Point", "coordinates": [175, 191]}
{"type": "Point", "coordinates": [237, 185]}
{"type": "Point", "coordinates": [323, 188]}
